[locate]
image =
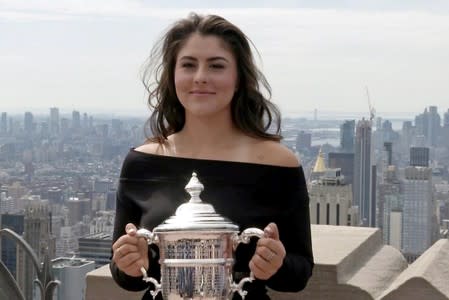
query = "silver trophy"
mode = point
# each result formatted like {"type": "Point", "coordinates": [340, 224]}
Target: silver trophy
{"type": "Point", "coordinates": [196, 248]}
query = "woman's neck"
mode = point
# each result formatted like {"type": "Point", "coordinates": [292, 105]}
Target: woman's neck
{"type": "Point", "coordinates": [201, 137]}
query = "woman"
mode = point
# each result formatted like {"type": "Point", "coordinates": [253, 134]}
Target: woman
{"type": "Point", "coordinates": [209, 115]}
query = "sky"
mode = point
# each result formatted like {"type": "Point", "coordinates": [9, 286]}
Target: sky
{"type": "Point", "coordinates": [321, 55]}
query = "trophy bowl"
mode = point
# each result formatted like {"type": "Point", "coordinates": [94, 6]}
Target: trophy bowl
{"type": "Point", "coordinates": [196, 248]}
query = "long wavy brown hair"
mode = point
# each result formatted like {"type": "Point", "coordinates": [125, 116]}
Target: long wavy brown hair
{"type": "Point", "coordinates": [252, 112]}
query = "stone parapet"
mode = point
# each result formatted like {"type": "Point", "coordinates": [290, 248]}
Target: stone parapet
{"type": "Point", "coordinates": [101, 286]}
{"type": "Point", "coordinates": [426, 278]}
{"type": "Point", "coordinates": [350, 263]}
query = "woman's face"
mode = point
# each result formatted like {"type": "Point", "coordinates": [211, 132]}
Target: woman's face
{"type": "Point", "coordinates": [205, 76]}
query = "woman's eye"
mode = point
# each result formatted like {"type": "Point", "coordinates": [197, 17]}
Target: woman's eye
{"type": "Point", "coordinates": [187, 65]}
{"type": "Point", "coordinates": [217, 66]}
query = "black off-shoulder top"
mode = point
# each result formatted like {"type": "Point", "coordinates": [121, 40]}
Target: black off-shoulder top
{"type": "Point", "coordinates": [151, 187]}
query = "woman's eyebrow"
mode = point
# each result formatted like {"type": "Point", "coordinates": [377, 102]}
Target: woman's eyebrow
{"type": "Point", "coordinates": [187, 57]}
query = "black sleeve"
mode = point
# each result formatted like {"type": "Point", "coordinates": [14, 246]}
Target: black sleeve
{"type": "Point", "coordinates": [125, 213]}
{"type": "Point", "coordinates": [128, 211]}
{"type": "Point", "coordinates": [295, 234]}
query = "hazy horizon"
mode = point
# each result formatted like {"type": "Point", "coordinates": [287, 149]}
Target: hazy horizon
{"type": "Point", "coordinates": [87, 56]}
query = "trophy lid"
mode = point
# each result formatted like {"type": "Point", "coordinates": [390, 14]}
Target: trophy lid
{"type": "Point", "coordinates": [196, 215]}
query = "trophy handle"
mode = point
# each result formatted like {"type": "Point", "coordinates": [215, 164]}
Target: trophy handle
{"type": "Point", "coordinates": [148, 235]}
{"type": "Point", "coordinates": [244, 237]}
{"type": "Point", "coordinates": [151, 239]}
{"type": "Point", "coordinates": [157, 285]}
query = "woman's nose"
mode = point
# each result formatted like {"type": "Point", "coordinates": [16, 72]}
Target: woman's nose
{"type": "Point", "coordinates": [201, 75]}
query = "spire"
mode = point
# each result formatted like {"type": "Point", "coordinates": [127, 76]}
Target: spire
{"type": "Point", "coordinates": [320, 165]}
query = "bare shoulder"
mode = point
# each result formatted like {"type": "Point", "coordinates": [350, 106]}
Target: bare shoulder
{"type": "Point", "coordinates": [152, 148]}
{"type": "Point", "coordinates": [275, 153]}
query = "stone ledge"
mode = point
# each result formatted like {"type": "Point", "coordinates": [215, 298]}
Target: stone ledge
{"type": "Point", "coordinates": [101, 286]}
{"type": "Point", "coordinates": [425, 278]}
{"type": "Point", "coordinates": [350, 263]}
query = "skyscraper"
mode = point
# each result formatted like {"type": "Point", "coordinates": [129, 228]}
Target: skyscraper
{"type": "Point", "coordinates": [8, 246]}
{"type": "Point", "coordinates": [344, 161]}
{"type": "Point", "coordinates": [331, 200]}
{"type": "Point", "coordinates": [4, 123]}
{"type": "Point", "coordinates": [390, 208]}
{"type": "Point", "coordinates": [76, 120]}
{"type": "Point", "coordinates": [433, 127]}
{"type": "Point", "coordinates": [445, 130]}
{"type": "Point", "coordinates": [96, 247]}
{"type": "Point", "coordinates": [37, 233]}
{"type": "Point", "coordinates": [388, 147]}
{"type": "Point", "coordinates": [28, 123]}
{"type": "Point", "coordinates": [54, 121]}
{"type": "Point", "coordinates": [419, 156]}
{"type": "Point", "coordinates": [428, 124]}
{"type": "Point", "coordinates": [347, 136]}
{"type": "Point", "coordinates": [446, 118]}
{"type": "Point", "coordinates": [418, 211]}
{"type": "Point", "coordinates": [303, 140]}
{"type": "Point", "coordinates": [362, 189]}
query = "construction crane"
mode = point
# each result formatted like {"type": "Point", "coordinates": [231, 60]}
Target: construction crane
{"type": "Point", "coordinates": [372, 111]}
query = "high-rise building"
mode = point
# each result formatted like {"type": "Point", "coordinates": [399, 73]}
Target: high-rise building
{"type": "Point", "coordinates": [388, 147]}
{"type": "Point", "coordinates": [428, 124]}
{"type": "Point", "coordinates": [28, 123]}
{"type": "Point", "coordinates": [331, 200]}
{"type": "Point", "coordinates": [77, 209]}
{"type": "Point", "coordinates": [76, 120]}
{"type": "Point", "coordinates": [303, 141]}
{"type": "Point", "coordinates": [8, 246]}
{"type": "Point", "coordinates": [65, 126]}
{"type": "Point", "coordinates": [390, 208]}
{"type": "Point", "coordinates": [445, 130]}
{"type": "Point", "coordinates": [347, 136]}
{"type": "Point", "coordinates": [418, 211]}
{"type": "Point", "coordinates": [446, 119]}
{"type": "Point", "coordinates": [434, 125]}
{"type": "Point", "coordinates": [4, 123]}
{"type": "Point", "coordinates": [344, 161]}
{"type": "Point", "coordinates": [419, 156]}
{"type": "Point", "coordinates": [54, 121]}
{"type": "Point", "coordinates": [55, 195]}
{"type": "Point", "coordinates": [71, 272]}
{"type": "Point", "coordinates": [85, 121]}
{"type": "Point", "coordinates": [406, 137]}
{"type": "Point", "coordinates": [96, 247]}
{"type": "Point", "coordinates": [37, 233]}
{"type": "Point", "coordinates": [362, 189]}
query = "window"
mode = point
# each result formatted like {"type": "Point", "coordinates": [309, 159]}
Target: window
{"type": "Point", "coordinates": [338, 214]}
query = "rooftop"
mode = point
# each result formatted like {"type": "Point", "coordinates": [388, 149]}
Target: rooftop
{"type": "Point", "coordinates": [64, 262]}
{"type": "Point", "coordinates": [350, 263]}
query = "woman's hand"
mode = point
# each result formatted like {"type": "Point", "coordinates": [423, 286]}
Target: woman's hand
{"type": "Point", "coordinates": [131, 252]}
{"type": "Point", "coordinates": [269, 255]}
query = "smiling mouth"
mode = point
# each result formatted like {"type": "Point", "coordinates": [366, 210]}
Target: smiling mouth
{"type": "Point", "coordinates": [202, 93]}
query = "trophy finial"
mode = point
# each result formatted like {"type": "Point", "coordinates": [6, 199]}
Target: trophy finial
{"type": "Point", "coordinates": [194, 188]}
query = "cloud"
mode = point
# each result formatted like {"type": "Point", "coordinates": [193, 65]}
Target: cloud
{"type": "Point", "coordinates": [312, 57]}
{"type": "Point", "coordinates": [38, 10]}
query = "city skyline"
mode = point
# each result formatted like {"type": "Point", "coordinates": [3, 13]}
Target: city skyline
{"type": "Point", "coordinates": [316, 55]}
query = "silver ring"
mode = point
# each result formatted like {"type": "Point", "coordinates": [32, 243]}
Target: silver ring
{"type": "Point", "coordinates": [271, 256]}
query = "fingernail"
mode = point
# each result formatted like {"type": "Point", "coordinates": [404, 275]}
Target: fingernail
{"type": "Point", "coordinates": [131, 230]}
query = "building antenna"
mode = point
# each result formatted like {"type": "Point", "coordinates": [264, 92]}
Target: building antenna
{"type": "Point", "coordinates": [372, 110]}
